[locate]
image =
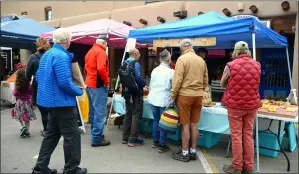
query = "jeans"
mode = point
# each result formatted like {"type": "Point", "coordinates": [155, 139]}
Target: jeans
{"type": "Point", "coordinates": [44, 113]}
{"type": "Point", "coordinates": [98, 98]}
{"type": "Point", "coordinates": [241, 126]}
{"type": "Point", "coordinates": [157, 135]}
{"type": "Point", "coordinates": [134, 108]}
{"type": "Point", "coordinates": [62, 121]}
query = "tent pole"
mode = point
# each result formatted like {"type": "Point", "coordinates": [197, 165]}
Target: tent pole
{"type": "Point", "coordinates": [117, 81]}
{"type": "Point", "coordinates": [289, 67]}
{"type": "Point", "coordinates": [256, 118]}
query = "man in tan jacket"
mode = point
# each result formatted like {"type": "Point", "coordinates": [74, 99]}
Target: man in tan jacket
{"type": "Point", "coordinates": [189, 81]}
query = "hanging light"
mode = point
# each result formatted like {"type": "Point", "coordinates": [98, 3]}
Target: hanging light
{"type": "Point", "coordinates": [200, 13]}
{"type": "Point", "coordinates": [180, 14]}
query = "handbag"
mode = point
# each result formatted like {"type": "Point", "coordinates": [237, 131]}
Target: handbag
{"type": "Point", "coordinates": [169, 120]}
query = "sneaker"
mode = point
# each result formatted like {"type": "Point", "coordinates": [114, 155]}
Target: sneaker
{"type": "Point", "coordinates": [27, 134]}
{"type": "Point", "coordinates": [163, 149]}
{"type": "Point", "coordinates": [124, 142]}
{"type": "Point", "coordinates": [230, 170]}
{"type": "Point", "coordinates": [193, 156]}
{"type": "Point", "coordinates": [77, 171]}
{"type": "Point", "coordinates": [180, 157]}
{"type": "Point", "coordinates": [102, 143]}
{"type": "Point", "coordinates": [47, 171]}
{"type": "Point", "coordinates": [247, 172]}
{"type": "Point", "coordinates": [22, 132]}
{"type": "Point", "coordinates": [137, 142]}
{"type": "Point", "coordinates": [156, 144]}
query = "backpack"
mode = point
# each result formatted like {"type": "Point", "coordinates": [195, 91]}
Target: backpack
{"type": "Point", "coordinates": [127, 77]}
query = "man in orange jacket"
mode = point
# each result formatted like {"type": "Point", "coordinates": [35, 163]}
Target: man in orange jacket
{"type": "Point", "coordinates": [97, 81]}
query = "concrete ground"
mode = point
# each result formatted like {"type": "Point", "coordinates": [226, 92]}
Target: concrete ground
{"type": "Point", "coordinates": [19, 155]}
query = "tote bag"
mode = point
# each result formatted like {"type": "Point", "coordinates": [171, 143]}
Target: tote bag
{"type": "Point", "coordinates": [169, 120]}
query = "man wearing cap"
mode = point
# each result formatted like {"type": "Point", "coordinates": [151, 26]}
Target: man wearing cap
{"type": "Point", "coordinates": [97, 81]}
{"type": "Point", "coordinates": [189, 81]}
{"type": "Point", "coordinates": [241, 77]}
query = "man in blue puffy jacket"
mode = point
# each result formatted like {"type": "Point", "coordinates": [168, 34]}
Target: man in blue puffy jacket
{"type": "Point", "coordinates": [57, 92]}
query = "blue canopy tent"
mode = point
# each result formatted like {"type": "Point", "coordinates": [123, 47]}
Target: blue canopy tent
{"type": "Point", "coordinates": [22, 32]}
{"type": "Point", "coordinates": [227, 32]}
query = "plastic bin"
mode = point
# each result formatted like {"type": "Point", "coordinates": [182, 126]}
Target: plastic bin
{"type": "Point", "coordinates": [290, 141]}
{"type": "Point", "coordinates": [269, 140]}
{"type": "Point", "coordinates": [176, 136]}
{"type": "Point", "coordinates": [208, 139]}
{"type": "Point", "coordinates": [146, 125]}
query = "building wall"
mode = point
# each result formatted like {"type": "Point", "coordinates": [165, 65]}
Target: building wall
{"type": "Point", "coordinates": [63, 9]}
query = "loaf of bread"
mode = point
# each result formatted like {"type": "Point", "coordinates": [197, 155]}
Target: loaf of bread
{"type": "Point", "coordinates": [207, 96]}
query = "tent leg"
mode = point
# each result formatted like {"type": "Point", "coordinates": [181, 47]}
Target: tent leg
{"type": "Point", "coordinates": [116, 85]}
{"type": "Point", "coordinates": [289, 67]}
{"type": "Point", "coordinates": [256, 119]}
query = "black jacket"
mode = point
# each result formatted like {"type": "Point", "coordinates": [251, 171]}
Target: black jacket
{"type": "Point", "coordinates": [31, 68]}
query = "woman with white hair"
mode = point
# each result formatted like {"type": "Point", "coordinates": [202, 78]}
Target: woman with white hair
{"type": "Point", "coordinates": [57, 92]}
{"type": "Point", "coordinates": [241, 77]}
{"type": "Point", "coordinates": [160, 96]}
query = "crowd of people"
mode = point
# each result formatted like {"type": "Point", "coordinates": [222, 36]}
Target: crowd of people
{"type": "Point", "coordinates": [178, 85]}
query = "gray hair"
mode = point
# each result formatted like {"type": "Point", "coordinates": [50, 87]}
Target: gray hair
{"type": "Point", "coordinates": [186, 44]}
{"type": "Point", "coordinates": [133, 51]}
{"type": "Point", "coordinates": [100, 41]}
{"type": "Point", "coordinates": [62, 36]}
{"type": "Point", "coordinates": [165, 56]}
{"type": "Point", "coordinates": [236, 53]}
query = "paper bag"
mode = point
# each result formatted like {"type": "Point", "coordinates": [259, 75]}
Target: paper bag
{"type": "Point", "coordinates": [77, 76]}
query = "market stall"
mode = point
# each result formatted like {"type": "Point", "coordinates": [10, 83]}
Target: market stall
{"type": "Point", "coordinates": [86, 33]}
{"type": "Point", "coordinates": [221, 34]}
{"type": "Point", "coordinates": [20, 32]}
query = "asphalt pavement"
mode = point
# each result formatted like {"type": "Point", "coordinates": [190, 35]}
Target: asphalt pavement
{"type": "Point", "coordinates": [19, 155]}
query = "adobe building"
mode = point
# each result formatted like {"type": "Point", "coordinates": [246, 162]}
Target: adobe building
{"type": "Point", "coordinates": [281, 16]}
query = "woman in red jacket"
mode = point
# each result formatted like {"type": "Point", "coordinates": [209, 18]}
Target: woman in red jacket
{"type": "Point", "coordinates": [241, 78]}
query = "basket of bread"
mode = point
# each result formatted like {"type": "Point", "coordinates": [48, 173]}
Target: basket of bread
{"type": "Point", "coordinates": [273, 105]}
{"type": "Point", "coordinates": [207, 100]}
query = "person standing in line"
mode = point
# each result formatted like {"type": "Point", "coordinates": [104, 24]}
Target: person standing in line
{"type": "Point", "coordinates": [23, 111]}
{"type": "Point", "coordinates": [42, 45]}
{"type": "Point", "coordinates": [97, 81]}
{"type": "Point", "coordinates": [241, 77]}
{"type": "Point", "coordinates": [57, 92]}
{"type": "Point", "coordinates": [132, 90]}
{"type": "Point", "coordinates": [159, 96]}
{"type": "Point", "coordinates": [203, 53]}
{"type": "Point", "coordinates": [189, 81]}
{"type": "Point", "coordinates": [174, 57]}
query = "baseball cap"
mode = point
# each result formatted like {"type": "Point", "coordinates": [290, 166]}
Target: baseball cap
{"type": "Point", "coordinates": [186, 43]}
{"type": "Point", "coordinates": [103, 37]}
{"type": "Point", "coordinates": [241, 45]}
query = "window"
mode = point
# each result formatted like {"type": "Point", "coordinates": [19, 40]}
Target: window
{"type": "Point", "coordinates": [24, 13]}
{"type": "Point", "coordinates": [48, 13]}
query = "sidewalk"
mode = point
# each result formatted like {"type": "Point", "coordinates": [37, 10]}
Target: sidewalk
{"type": "Point", "coordinates": [17, 155]}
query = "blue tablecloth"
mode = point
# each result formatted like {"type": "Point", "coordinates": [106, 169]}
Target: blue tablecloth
{"type": "Point", "coordinates": [212, 119]}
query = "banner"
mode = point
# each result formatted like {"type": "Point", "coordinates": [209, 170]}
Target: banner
{"type": "Point", "coordinates": [202, 41]}
{"type": "Point", "coordinates": [265, 22]}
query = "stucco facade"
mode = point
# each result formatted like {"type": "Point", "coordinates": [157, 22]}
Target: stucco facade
{"type": "Point", "coordinates": [132, 11]}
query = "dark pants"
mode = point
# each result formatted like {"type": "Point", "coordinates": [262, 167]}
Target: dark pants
{"type": "Point", "coordinates": [44, 114]}
{"type": "Point", "coordinates": [62, 121]}
{"type": "Point", "coordinates": [134, 108]}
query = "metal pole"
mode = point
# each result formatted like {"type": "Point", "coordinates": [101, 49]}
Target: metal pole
{"type": "Point", "coordinates": [117, 81]}
{"type": "Point", "coordinates": [289, 67]}
{"type": "Point", "coordinates": [256, 118]}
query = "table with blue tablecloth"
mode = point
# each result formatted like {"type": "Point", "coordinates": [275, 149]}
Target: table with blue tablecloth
{"type": "Point", "coordinates": [213, 119]}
